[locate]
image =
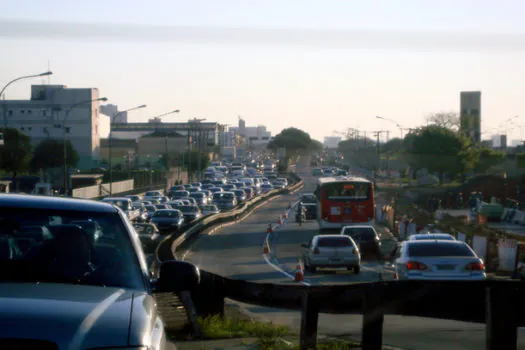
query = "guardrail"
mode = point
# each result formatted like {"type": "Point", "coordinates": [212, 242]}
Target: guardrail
{"type": "Point", "coordinates": [172, 242]}
{"type": "Point", "coordinates": [496, 303]}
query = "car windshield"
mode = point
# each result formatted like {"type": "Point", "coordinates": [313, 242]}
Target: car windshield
{"type": "Point", "coordinates": [188, 208]}
{"type": "Point", "coordinates": [208, 207]}
{"type": "Point", "coordinates": [436, 249]}
{"type": "Point", "coordinates": [180, 194]}
{"type": "Point", "coordinates": [334, 242]}
{"type": "Point", "coordinates": [360, 233]}
{"type": "Point", "coordinates": [68, 253]}
{"type": "Point", "coordinates": [347, 190]}
{"type": "Point", "coordinates": [150, 208]}
{"type": "Point", "coordinates": [197, 195]}
{"type": "Point", "coordinates": [166, 214]}
{"type": "Point", "coordinates": [431, 236]}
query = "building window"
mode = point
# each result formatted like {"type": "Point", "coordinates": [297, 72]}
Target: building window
{"type": "Point", "coordinates": [44, 113]}
{"type": "Point", "coordinates": [22, 111]}
{"type": "Point", "coordinates": [29, 112]}
{"type": "Point", "coordinates": [10, 113]}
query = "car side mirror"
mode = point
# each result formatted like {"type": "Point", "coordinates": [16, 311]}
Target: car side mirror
{"type": "Point", "coordinates": [176, 276]}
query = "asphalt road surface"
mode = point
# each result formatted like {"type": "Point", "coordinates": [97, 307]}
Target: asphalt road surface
{"type": "Point", "coordinates": [236, 252]}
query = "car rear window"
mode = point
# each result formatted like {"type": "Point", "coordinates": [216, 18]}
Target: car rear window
{"type": "Point", "coordinates": [443, 237]}
{"type": "Point", "coordinates": [361, 234]}
{"type": "Point", "coordinates": [334, 242]}
{"type": "Point", "coordinates": [433, 249]}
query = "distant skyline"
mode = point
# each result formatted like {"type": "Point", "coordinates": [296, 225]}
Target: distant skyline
{"type": "Point", "coordinates": [318, 66]}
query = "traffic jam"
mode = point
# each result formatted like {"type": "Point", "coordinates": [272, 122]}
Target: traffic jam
{"type": "Point", "coordinates": [344, 207]}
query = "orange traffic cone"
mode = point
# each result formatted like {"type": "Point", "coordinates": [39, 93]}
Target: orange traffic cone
{"type": "Point", "coordinates": [299, 273]}
{"type": "Point", "coordinates": [266, 249]}
{"type": "Point", "coordinates": [280, 222]}
{"type": "Point", "coordinates": [270, 229]}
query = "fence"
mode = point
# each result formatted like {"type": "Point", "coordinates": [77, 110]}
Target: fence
{"type": "Point", "coordinates": [494, 302]}
{"type": "Point", "coordinates": [96, 191]}
{"type": "Point", "coordinates": [497, 303]}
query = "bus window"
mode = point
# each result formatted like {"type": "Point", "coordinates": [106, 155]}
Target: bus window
{"type": "Point", "coordinates": [355, 191]}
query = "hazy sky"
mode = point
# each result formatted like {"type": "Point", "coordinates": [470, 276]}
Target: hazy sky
{"type": "Point", "coordinates": [317, 65]}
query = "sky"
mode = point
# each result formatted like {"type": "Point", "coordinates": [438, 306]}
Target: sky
{"type": "Point", "coordinates": [321, 66]}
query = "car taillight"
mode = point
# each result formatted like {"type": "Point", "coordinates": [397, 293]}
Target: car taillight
{"type": "Point", "coordinates": [316, 251]}
{"type": "Point", "coordinates": [414, 265]}
{"type": "Point", "coordinates": [475, 266]}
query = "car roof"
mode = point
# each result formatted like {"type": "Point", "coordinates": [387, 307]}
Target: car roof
{"type": "Point", "coordinates": [58, 203]}
{"type": "Point", "coordinates": [359, 226]}
{"type": "Point", "coordinates": [435, 241]}
{"type": "Point", "coordinates": [331, 236]}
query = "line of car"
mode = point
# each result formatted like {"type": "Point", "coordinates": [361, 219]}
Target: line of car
{"type": "Point", "coordinates": [157, 213]}
{"type": "Point", "coordinates": [428, 256]}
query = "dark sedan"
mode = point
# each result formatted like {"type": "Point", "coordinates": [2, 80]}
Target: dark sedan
{"type": "Point", "coordinates": [190, 212]}
{"type": "Point", "coordinates": [366, 238]}
{"type": "Point", "coordinates": [240, 195]}
{"type": "Point", "coordinates": [168, 219]}
{"type": "Point", "coordinates": [149, 236]}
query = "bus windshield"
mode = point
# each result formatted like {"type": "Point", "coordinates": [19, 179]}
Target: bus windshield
{"type": "Point", "coordinates": [346, 191]}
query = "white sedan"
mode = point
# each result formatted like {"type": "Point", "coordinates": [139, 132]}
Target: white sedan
{"type": "Point", "coordinates": [332, 251]}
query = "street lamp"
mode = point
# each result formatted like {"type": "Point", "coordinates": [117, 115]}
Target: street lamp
{"type": "Point", "coordinates": [192, 127]}
{"type": "Point", "coordinates": [393, 121]}
{"type": "Point", "coordinates": [17, 79]}
{"type": "Point", "coordinates": [167, 113]}
{"type": "Point", "coordinates": [110, 145]}
{"type": "Point", "coordinates": [64, 127]}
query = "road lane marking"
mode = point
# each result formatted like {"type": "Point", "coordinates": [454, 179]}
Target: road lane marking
{"type": "Point", "coordinates": [269, 239]}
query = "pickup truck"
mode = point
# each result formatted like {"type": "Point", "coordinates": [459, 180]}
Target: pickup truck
{"type": "Point", "coordinates": [126, 205]}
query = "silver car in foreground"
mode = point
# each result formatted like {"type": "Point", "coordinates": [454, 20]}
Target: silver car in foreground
{"type": "Point", "coordinates": [332, 251]}
{"type": "Point", "coordinates": [436, 260]}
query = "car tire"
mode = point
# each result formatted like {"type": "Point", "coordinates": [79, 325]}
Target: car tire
{"type": "Point", "coordinates": [357, 269]}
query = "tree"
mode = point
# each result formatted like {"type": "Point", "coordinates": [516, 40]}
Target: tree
{"type": "Point", "coordinates": [50, 154]}
{"type": "Point", "coordinates": [315, 146]}
{"type": "Point", "coordinates": [292, 139]}
{"type": "Point", "coordinates": [489, 158]}
{"type": "Point", "coordinates": [15, 154]}
{"type": "Point", "coordinates": [449, 120]}
{"type": "Point", "coordinates": [440, 150]}
{"type": "Point", "coordinates": [394, 145]}
{"type": "Point", "coordinates": [520, 160]}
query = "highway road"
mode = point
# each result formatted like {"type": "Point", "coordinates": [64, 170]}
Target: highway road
{"type": "Point", "coordinates": [236, 252]}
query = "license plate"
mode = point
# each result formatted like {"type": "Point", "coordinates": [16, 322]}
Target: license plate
{"type": "Point", "coordinates": [446, 267]}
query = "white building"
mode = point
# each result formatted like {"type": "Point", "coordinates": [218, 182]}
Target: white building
{"type": "Point", "coordinates": [255, 135]}
{"type": "Point", "coordinates": [331, 141]}
{"type": "Point", "coordinates": [112, 110]}
{"type": "Point", "coordinates": [43, 116]}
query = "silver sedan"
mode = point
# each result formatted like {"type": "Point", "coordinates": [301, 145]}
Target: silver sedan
{"type": "Point", "coordinates": [435, 260]}
{"type": "Point", "coordinates": [332, 251]}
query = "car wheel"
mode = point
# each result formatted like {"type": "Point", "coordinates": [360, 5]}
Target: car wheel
{"type": "Point", "coordinates": [357, 269]}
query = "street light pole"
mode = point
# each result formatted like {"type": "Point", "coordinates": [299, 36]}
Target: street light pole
{"type": "Point", "coordinates": [64, 128]}
{"type": "Point", "coordinates": [110, 145]}
{"type": "Point", "coordinates": [393, 121]}
{"type": "Point", "coordinates": [15, 80]}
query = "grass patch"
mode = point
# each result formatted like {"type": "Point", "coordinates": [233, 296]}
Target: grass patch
{"type": "Point", "coordinates": [217, 327]}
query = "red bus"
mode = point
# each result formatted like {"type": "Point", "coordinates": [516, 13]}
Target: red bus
{"type": "Point", "coordinates": [343, 201]}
